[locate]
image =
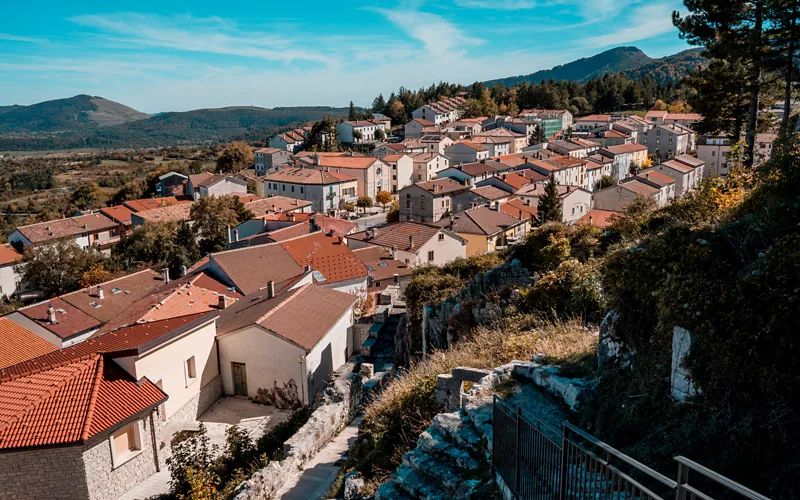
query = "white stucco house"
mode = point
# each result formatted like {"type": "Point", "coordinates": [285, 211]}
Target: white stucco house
{"type": "Point", "coordinates": [359, 131]}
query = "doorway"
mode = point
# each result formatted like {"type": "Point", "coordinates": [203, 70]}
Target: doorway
{"type": "Point", "coordinates": [239, 379]}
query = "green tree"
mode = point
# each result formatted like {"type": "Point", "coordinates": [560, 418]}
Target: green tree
{"type": "Point", "coordinates": [87, 196]}
{"type": "Point", "coordinates": [151, 244]}
{"type": "Point", "coordinates": [213, 216]}
{"type": "Point", "coordinates": [383, 197]}
{"type": "Point", "coordinates": [550, 205]}
{"type": "Point", "coordinates": [364, 202]}
{"type": "Point", "coordinates": [236, 156]}
{"type": "Point", "coordinates": [56, 268]}
{"type": "Point", "coordinates": [720, 95]}
{"type": "Point", "coordinates": [130, 191]}
{"type": "Point", "coordinates": [378, 104]}
{"type": "Point", "coordinates": [357, 135]}
{"type": "Point", "coordinates": [606, 182]}
{"type": "Point", "coordinates": [379, 135]}
{"type": "Point", "coordinates": [537, 136]}
{"type": "Point", "coordinates": [352, 114]}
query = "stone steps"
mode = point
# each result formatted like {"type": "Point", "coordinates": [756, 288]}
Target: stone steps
{"type": "Point", "coordinates": [433, 442]}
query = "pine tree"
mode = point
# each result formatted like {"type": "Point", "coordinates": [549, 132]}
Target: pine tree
{"type": "Point", "coordinates": [551, 208]}
{"type": "Point", "coordinates": [379, 104]}
{"type": "Point", "coordinates": [352, 115]}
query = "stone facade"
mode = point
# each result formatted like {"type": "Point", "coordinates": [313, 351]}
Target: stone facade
{"type": "Point", "coordinates": [77, 472]}
{"type": "Point", "coordinates": [44, 474]}
{"type": "Point", "coordinates": [106, 482]}
{"type": "Point", "coordinates": [209, 394]}
{"type": "Point", "coordinates": [339, 406]}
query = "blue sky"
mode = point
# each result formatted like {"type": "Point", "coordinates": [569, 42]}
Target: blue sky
{"type": "Point", "coordinates": [175, 55]}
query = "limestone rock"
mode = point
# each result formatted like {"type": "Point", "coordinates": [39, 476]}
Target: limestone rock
{"type": "Point", "coordinates": [353, 485]}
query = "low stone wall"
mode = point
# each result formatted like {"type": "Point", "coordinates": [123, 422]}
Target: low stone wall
{"type": "Point", "coordinates": [209, 394]}
{"type": "Point", "coordinates": [339, 406]}
{"type": "Point", "coordinates": [43, 474]}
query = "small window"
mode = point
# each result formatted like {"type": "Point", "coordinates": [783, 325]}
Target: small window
{"type": "Point", "coordinates": [377, 284]}
{"type": "Point", "coordinates": [190, 369]}
{"type": "Point", "coordinates": [125, 444]}
{"type": "Point", "coordinates": [441, 236]}
{"type": "Point", "coordinates": [430, 256]}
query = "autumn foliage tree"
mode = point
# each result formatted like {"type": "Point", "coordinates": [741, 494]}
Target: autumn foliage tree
{"type": "Point", "coordinates": [383, 197]}
{"type": "Point", "coordinates": [58, 267]}
{"type": "Point", "coordinates": [235, 157]}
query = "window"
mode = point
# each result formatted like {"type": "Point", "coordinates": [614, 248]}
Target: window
{"type": "Point", "coordinates": [713, 153]}
{"type": "Point", "coordinates": [408, 203]}
{"type": "Point", "coordinates": [430, 256]}
{"type": "Point", "coordinates": [670, 140]}
{"type": "Point", "coordinates": [441, 236]}
{"type": "Point", "coordinates": [190, 370]}
{"type": "Point", "coordinates": [284, 186]}
{"type": "Point", "coordinates": [658, 141]}
{"type": "Point", "coordinates": [125, 444]}
{"type": "Point", "coordinates": [301, 189]}
{"type": "Point", "coordinates": [293, 189]}
{"type": "Point", "coordinates": [377, 284]}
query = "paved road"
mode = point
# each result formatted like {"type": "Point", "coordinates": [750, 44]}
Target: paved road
{"type": "Point", "coordinates": [318, 475]}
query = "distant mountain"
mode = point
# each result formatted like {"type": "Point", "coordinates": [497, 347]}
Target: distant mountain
{"type": "Point", "coordinates": [85, 122]}
{"type": "Point", "coordinates": [66, 115]}
{"type": "Point", "coordinates": [628, 60]}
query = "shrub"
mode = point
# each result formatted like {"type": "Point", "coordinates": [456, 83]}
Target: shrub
{"type": "Point", "coordinates": [573, 290]}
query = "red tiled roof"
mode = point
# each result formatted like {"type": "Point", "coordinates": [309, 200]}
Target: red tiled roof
{"type": "Point", "coordinates": [397, 235]}
{"type": "Point", "coordinates": [638, 187]}
{"type": "Point", "coordinates": [594, 118]}
{"type": "Point", "coordinates": [514, 180]}
{"type": "Point", "coordinates": [9, 254]}
{"type": "Point", "coordinates": [380, 264]}
{"type": "Point", "coordinates": [62, 228]}
{"type": "Point", "coordinates": [656, 178]}
{"type": "Point", "coordinates": [599, 218]}
{"type": "Point", "coordinates": [514, 206]}
{"type": "Point", "coordinates": [393, 158]}
{"type": "Point", "coordinates": [18, 344]}
{"type": "Point", "coordinates": [625, 148]}
{"type": "Point", "coordinates": [252, 268]}
{"type": "Point", "coordinates": [307, 176]}
{"type": "Point", "coordinates": [510, 160]}
{"type": "Point", "coordinates": [481, 220]}
{"type": "Point", "coordinates": [119, 213]}
{"type": "Point", "coordinates": [424, 123]}
{"type": "Point", "coordinates": [327, 255]}
{"type": "Point", "coordinates": [151, 203]}
{"type": "Point", "coordinates": [118, 295]}
{"type": "Point", "coordinates": [302, 316]}
{"type": "Point", "coordinates": [490, 192]}
{"type": "Point", "coordinates": [70, 403]}
{"type": "Point", "coordinates": [71, 321]}
{"type": "Point", "coordinates": [166, 214]}
{"type": "Point", "coordinates": [442, 186]}
{"type": "Point", "coordinates": [351, 162]}
{"type": "Point", "coordinates": [531, 175]}
{"type": "Point", "coordinates": [263, 206]}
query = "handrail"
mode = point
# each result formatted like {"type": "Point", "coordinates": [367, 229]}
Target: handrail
{"type": "Point", "coordinates": [512, 410]}
{"type": "Point", "coordinates": [724, 481]}
{"type": "Point", "coordinates": [625, 458]}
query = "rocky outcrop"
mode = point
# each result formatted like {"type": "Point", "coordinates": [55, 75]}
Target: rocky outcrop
{"type": "Point", "coordinates": [449, 462]}
{"type": "Point", "coordinates": [437, 329]}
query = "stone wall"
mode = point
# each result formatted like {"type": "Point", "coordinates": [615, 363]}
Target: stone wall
{"type": "Point", "coordinates": [680, 380]}
{"type": "Point", "coordinates": [209, 394]}
{"type": "Point", "coordinates": [53, 473]}
{"type": "Point", "coordinates": [437, 333]}
{"type": "Point", "coordinates": [338, 407]}
{"type": "Point", "coordinates": [104, 481]}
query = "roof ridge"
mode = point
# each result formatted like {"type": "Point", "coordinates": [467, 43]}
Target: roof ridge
{"type": "Point", "coordinates": [100, 284]}
{"type": "Point", "coordinates": [283, 303]}
{"type": "Point", "coordinates": [43, 368]}
{"type": "Point", "coordinates": [92, 398]}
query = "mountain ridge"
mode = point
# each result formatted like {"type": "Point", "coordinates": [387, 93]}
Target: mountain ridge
{"type": "Point", "coordinates": [629, 60]}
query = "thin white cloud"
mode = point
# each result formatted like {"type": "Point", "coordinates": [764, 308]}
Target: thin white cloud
{"type": "Point", "coordinates": [497, 4]}
{"type": "Point", "coordinates": [206, 35]}
{"type": "Point", "coordinates": [646, 22]}
{"type": "Point", "coordinates": [439, 36]}
{"type": "Point", "coordinates": [23, 39]}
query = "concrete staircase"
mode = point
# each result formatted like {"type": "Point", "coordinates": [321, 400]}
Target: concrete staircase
{"type": "Point", "coordinates": [449, 462]}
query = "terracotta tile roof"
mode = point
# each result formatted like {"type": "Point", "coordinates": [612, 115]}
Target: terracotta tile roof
{"type": "Point", "coordinates": [9, 254]}
{"type": "Point", "coordinates": [472, 145]}
{"type": "Point", "coordinates": [307, 176]}
{"type": "Point", "coordinates": [119, 213]}
{"type": "Point", "coordinates": [481, 168]}
{"type": "Point", "coordinates": [302, 316]}
{"type": "Point", "coordinates": [445, 185]}
{"type": "Point", "coordinates": [308, 154]}
{"type": "Point", "coordinates": [361, 123]}
{"type": "Point", "coordinates": [70, 403]}
{"type": "Point", "coordinates": [594, 118]}
{"type": "Point", "coordinates": [175, 213]}
{"type": "Point", "coordinates": [532, 175]}
{"type": "Point", "coordinates": [583, 142]}
{"type": "Point", "coordinates": [638, 187]}
{"type": "Point", "coordinates": [514, 179]}
{"type": "Point", "coordinates": [340, 227]}
{"type": "Point", "coordinates": [18, 344]}
{"type": "Point", "coordinates": [326, 255]}
{"type": "Point", "coordinates": [490, 193]}
{"type": "Point", "coordinates": [510, 160]}
{"type": "Point", "coordinates": [536, 190]}
{"type": "Point", "coordinates": [252, 268]}
{"type": "Point", "coordinates": [597, 218]}
{"type": "Point", "coordinates": [397, 146]}
{"type": "Point", "coordinates": [71, 321]}
{"type": "Point", "coordinates": [351, 162]}
{"type": "Point", "coordinates": [151, 203]}
{"type": "Point", "coordinates": [514, 206]}
{"type": "Point", "coordinates": [499, 132]}
{"type": "Point", "coordinates": [286, 233]}
{"type": "Point", "coordinates": [263, 206]}
{"type": "Point", "coordinates": [424, 123]}
{"type": "Point", "coordinates": [247, 198]}
{"type": "Point", "coordinates": [95, 222]}
{"type": "Point", "coordinates": [655, 114]}
{"type": "Point", "coordinates": [392, 158]}
{"type": "Point", "coordinates": [118, 295]}
{"type": "Point", "coordinates": [676, 165]}
{"type": "Point", "coordinates": [683, 116]}
{"type": "Point", "coordinates": [268, 150]}
{"type": "Point", "coordinates": [380, 264]}
{"type": "Point", "coordinates": [481, 220]}
{"type": "Point", "coordinates": [624, 148]}
{"type": "Point", "coordinates": [689, 160]}
{"type": "Point", "coordinates": [398, 235]}
{"type": "Point", "coordinates": [64, 228]}
{"type": "Point", "coordinates": [652, 177]}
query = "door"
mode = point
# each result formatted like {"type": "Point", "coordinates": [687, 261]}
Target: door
{"type": "Point", "coordinates": [239, 379]}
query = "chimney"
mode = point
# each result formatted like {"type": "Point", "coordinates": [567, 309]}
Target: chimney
{"type": "Point", "coordinates": [184, 270]}
{"type": "Point", "coordinates": [235, 235]}
{"type": "Point", "coordinates": [290, 215]}
{"type": "Point", "coordinates": [526, 159]}
{"type": "Point", "coordinates": [270, 289]}
{"type": "Point", "coordinates": [394, 251]}
{"type": "Point", "coordinates": [51, 314]}
{"type": "Point", "coordinates": [86, 226]}
{"type": "Point", "coordinates": [411, 241]}
{"type": "Point", "coordinates": [590, 220]}
{"type": "Point", "coordinates": [165, 273]}
{"type": "Point", "coordinates": [100, 294]}
{"type": "Point", "coordinates": [396, 279]}
{"type": "Point", "coordinates": [273, 207]}
{"type": "Point", "coordinates": [340, 239]}
{"type": "Point", "coordinates": [520, 215]}
{"type": "Point", "coordinates": [223, 301]}
{"type": "Point", "coordinates": [162, 202]}
{"type": "Point", "coordinates": [307, 268]}
{"type": "Point", "coordinates": [230, 240]}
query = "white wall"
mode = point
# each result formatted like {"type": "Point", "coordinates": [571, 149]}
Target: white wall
{"type": "Point", "coordinates": [268, 359]}
{"type": "Point", "coordinates": [166, 363]}
{"type": "Point", "coordinates": [8, 280]}
{"type": "Point", "coordinates": [329, 354]}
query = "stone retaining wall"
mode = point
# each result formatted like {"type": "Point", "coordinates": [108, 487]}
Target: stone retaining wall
{"type": "Point", "coordinates": [340, 404]}
{"type": "Point", "coordinates": [208, 395]}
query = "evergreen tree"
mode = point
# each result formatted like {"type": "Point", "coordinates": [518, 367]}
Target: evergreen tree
{"type": "Point", "coordinates": [551, 207]}
{"type": "Point", "coordinates": [352, 115]}
{"type": "Point", "coordinates": [379, 104]}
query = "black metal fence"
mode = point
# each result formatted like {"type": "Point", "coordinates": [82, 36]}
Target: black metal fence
{"type": "Point", "coordinates": [537, 462]}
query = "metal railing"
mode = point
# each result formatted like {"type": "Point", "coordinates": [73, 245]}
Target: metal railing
{"type": "Point", "coordinates": [536, 462]}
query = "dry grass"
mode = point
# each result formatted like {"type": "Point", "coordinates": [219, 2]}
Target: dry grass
{"type": "Point", "coordinates": [394, 420]}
